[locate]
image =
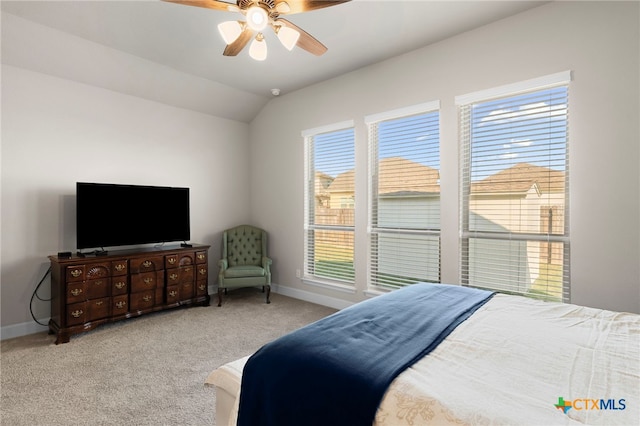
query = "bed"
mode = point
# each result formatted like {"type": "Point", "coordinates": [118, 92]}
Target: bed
{"type": "Point", "coordinates": [512, 360]}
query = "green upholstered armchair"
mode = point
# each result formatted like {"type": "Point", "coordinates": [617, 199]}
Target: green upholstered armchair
{"type": "Point", "coordinates": [244, 260]}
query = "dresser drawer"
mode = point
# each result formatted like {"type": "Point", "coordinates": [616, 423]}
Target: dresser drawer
{"type": "Point", "coordinates": [186, 291]}
{"type": "Point", "coordinates": [173, 294]}
{"type": "Point", "coordinates": [144, 281]}
{"type": "Point", "coordinates": [119, 285]}
{"type": "Point", "coordinates": [173, 277]}
{"type": "Point", "coordinates": [171, 261]}
{"type": "Point", "coordinates": [142, 300]}
{"type": "Point", "coordinates": [186, 259]}
{"type": "Point", "coordinates": [119, 267]}
{"type": "Point", "coordinates": [98, 288]}
{"type": "Point", "coordinates": [76, 292]}
{"type": "Point", "coordinates": [201, 257]}
{"type": "Point", "coordinates": [75, 273]}
{"type": "Point", "coordinates": [201, 288]}
{"type": "Point", "coordinates": [201, 271]}
{"type": "Point", "coordinates": [146, 264]}
{"type": "Point", "coordinates": [120, 305]}
{"type": "Point", "coordinates": [98, 308]}
{"type": "Point", "coordinates": [186, 274]}
{"type": "Point", "coordinates": [77, 313]}
{"type": "Point", "coordinates": [97, 270]}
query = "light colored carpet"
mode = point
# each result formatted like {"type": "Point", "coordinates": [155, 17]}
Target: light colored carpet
{"type": "Point", "coordinates": [145, 371]}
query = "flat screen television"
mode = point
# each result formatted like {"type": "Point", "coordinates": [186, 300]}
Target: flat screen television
{"type": "Point", "coordinates": [109, 215]}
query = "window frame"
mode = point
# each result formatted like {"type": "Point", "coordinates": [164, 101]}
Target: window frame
{"type": "Point", "coordinates": [374, 230]}
{"type": "Point", "coordinates": [310, 225]}
{"type": "Point", "coordinates": [464, 104]}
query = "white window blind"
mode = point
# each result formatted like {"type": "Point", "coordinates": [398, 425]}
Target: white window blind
{"type": "Point", "coordinates": [515, 190]}
{"type": "Point", "coordinates": [404, 208]}
{"type": "Point", "coordinates": [330, 203]}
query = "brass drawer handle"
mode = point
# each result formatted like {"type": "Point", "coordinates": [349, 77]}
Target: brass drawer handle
{"type": "Point", "coordinates": [171, 260]}
{"type": "Point", "coordinates": [201, 287]}
{"type": "Point", "coordinates": [201, 256]}
{"type": "Point", "coordinates": [147, 263]}
{"type": "Point", "coordinates": [173, 293]}
{"type": "Point", "coordinates": [173, 276]}
{"type": "Point", "coordinates": [76, 314]}
{"type": "Point", "coordinates": [203, 271]}
{"type": "Point", "coordinates": [99, 282]}
{"type": "Point", "coordinates": [99, 302]}
{"type": "Point", "coordinates": [76, 291]}
{"type": "Point", "coordinates": [146, 298]}
{"type": "Point", "coordinates": [120, 267]}
{"type": "Point", "coordinates": [121, 304]}
{"type": "Point", "coordinates": [148, 280]}
{"type": "Point", "coordinates": [76, 273]}
{"type": "Point", "coordinates": [186, 269]}
{"type": "Point", "coordinates": [120, 285]}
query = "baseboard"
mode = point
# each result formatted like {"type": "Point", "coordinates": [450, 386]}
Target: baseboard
{"type": "Point", "coordinates": [23, 329]}
{"type": "Point", "coordinates": [31, 327]}
{"type": "Point", "coordinates": [307, 296]}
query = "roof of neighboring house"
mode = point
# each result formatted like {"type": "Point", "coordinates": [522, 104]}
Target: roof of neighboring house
{"type": "Point", "coordinates": [520, 178]}
{"type": "Point", "coordinates": [397, 175]}
{"type": "Point", "coordinates": [401, 177]}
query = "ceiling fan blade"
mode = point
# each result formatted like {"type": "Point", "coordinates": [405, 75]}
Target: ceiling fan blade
{"type": "Point", "coordinates": [207, 4]}
{"type": "Point", "coordinates": [236, 47]}
{"type": "Point", "coordinates": [299, 6]}
{"type": "Point", "coordinates": [306, 40]}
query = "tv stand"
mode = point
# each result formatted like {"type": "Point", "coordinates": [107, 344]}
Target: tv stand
{"type": "Point", "coordinates": [118, 285]}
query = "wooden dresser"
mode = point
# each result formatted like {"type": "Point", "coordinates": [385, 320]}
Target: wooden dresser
{"type": "Point", "coordinates": [92, 290]}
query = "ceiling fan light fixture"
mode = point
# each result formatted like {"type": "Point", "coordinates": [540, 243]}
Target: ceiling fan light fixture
{"type": "Point", "coordinates": [257, 18]}
{"type": "Point", "coordinates": [287, 36]}
{"type": "Point", "coordinates": [230, 31]}
{"type": "Point", "coordinates": [258, 48]}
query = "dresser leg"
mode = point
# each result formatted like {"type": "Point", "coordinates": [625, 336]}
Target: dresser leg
{"type": "Point", "coordinates": [62, 338]}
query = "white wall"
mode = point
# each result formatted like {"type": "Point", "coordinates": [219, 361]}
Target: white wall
{"type": "Point", "coordinates": [598, 41]}
{"type": "Point", "coordinates": [56, 132]}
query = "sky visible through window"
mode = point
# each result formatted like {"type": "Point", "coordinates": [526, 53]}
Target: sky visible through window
{"type": "Point", "coordinates": [334, 153]}
{"type": "Point", "coordinates": [413, 138]}
{"type": "Point", "coordinates": [528, 128]}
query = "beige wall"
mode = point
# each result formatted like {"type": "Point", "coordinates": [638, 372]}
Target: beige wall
{"type": "Point", "coordinates": [598, 41]}
{"type": "Point", "coordinates": [56, 132]}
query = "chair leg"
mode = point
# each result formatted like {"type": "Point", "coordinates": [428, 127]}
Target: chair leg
{"type": "Point", "coordinates": [220, 297]}
{"type": "Point", "coordinates": [268, 293]}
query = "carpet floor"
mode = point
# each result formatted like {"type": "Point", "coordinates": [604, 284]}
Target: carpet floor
{"type": "Point", "coordinates": [145, 371]}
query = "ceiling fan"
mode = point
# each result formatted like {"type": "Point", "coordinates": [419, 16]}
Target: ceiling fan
{"type": "Point", "coordinates": [259, 15]}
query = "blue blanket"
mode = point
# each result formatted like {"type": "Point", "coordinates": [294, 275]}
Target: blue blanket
{"type": "Point", "coordinates": [337, 370]}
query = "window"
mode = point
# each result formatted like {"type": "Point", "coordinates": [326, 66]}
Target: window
{"type": "Point", "coordinates": [514, 188]}
{"type": "Point", "coordinates": [404, 182]}
{"type": "Point", "coordinates": [329, 204]}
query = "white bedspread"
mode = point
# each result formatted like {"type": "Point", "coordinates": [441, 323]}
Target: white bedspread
{"type": "Point", "coordinates": [509, 364]}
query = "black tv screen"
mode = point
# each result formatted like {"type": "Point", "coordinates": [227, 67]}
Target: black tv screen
{"type": "Point", "coordinates": [110, 215]}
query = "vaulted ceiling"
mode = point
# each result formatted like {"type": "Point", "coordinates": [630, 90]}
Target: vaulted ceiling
{"type": "Point", "coordinates": [186, 39]}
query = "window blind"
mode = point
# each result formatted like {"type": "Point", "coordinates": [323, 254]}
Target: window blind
{"type": "Point", "coordinates": [515, 191]}
{"type": "Point", "coordinates": [330, 203]}
{"type": "Point", "coordinates": [404, 208]}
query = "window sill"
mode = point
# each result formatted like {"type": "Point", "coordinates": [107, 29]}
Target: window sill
{"type": "Point", "coordinates": [345, 288]}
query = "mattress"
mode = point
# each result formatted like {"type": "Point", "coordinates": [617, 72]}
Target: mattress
{"type": "Point", "coordinates": [514, 361]}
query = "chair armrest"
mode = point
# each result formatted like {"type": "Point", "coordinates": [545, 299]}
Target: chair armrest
{"type": "Point", "coordinates": [222, 264]}
{"type": "Point", "coordinates": [266, 263]}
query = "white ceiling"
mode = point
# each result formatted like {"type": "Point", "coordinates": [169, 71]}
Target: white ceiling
{"type": "Point", "coordinates": [185, 38]}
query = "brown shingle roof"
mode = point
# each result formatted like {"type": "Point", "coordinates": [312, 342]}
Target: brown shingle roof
{"type": "Point", "coordinates": [397, 175]}
{"type": "Point", "coordinates": [520, 178]}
